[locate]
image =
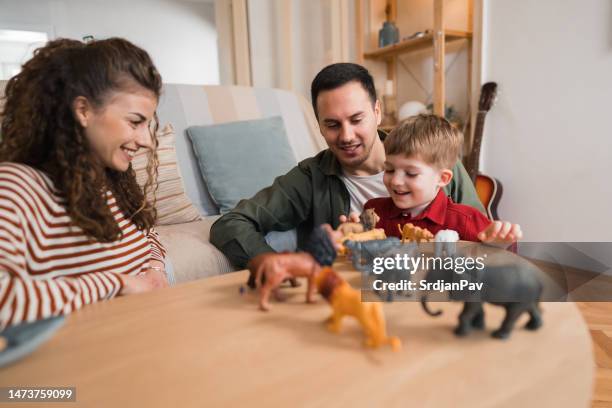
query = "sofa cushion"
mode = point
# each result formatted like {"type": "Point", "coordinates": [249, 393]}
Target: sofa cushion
{"type": "Point", "coordinates": [173, 205]}
{"type": "Point", "coordinates": [191, 253]}
{"type": "Point", "coordinates": [238, 159]}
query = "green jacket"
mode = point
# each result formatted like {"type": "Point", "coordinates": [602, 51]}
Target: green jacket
{"type": "Point", "coordinates": [310, 194]}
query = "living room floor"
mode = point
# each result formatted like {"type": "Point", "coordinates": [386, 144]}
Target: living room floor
{"type": "Point", "coordinates": [598, 316]}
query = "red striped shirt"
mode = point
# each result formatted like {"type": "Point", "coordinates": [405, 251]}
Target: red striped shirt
{"type": "Point", "coordinates": [48, 266]}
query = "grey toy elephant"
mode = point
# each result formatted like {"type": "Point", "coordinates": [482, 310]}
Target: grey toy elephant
{"type": "Point", "coordinates": [507, 280]}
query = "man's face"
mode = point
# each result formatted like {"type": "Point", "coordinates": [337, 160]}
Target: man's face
{"type": "Point", "coordinates": [348, 123]}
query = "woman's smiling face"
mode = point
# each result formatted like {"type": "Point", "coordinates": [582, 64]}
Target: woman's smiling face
{"type": "Point", "coordinates": [116, 130]}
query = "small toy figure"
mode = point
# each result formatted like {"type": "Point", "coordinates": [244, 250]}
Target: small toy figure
{"type": "Point", "coordinates": [376, 233]}
{"type": "Point", "coordinates": [276, 268]}
{"type": "Point", "coordinates": [271, 269]}
{"type": "Point", "coordinates": [346, 301]}
{"type": "Point", "coordinates": [367, 222]}
{"type": "Point", "coordinates": [411, 233]}
{"type": "Point", "coordinates": [369, 219]}
{"type": "Point", "coordinates": [445, 243]}
{"type": "Point", "coordinates": [511, 282]}
{"type": "Point", "coordinates": [364, 252]}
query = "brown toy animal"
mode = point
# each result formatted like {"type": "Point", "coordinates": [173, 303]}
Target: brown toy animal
{"type": "Point", "coordinates": [272, 269]}
{"type": "Point", "coordinates": [367, 221]}
{"type": "Point", "coordinates": [346, 301]}
{"type": "Point", "coordinates": [350, 228]}
{"type": "Point", "coordinates": [412, 233]}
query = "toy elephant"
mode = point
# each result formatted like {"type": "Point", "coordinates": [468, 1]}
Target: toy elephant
{"type": "Point", "coordinates": [507, 280]}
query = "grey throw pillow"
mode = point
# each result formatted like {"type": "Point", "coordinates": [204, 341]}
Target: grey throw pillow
{"type": "Point", "coordinates": [238, 159]}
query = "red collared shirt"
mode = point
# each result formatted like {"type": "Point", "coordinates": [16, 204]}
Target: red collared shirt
{"type": "Point", "coordinates": [442, 213]}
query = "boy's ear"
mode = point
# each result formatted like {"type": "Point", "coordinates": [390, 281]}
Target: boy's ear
{"type": "Point", "coordinates": [82, 109]}
{"type": "Point", "coordinates": [446, 175]}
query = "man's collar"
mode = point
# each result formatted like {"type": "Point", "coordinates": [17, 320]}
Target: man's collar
{"type": "Point", "coordinates": [330, 164]}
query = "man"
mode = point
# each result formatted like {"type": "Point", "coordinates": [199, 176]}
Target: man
{"type": "Point", "coordinates": [334, 183]}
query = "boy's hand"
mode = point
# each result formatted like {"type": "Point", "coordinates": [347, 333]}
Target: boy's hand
{"type": "Point", "coordinates": [353, 217]}
{"type": "Point", "coordinates": [501, 231]}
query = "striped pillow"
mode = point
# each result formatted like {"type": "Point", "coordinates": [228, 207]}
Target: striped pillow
{"type": "Point", "coordinates": [173, 205]}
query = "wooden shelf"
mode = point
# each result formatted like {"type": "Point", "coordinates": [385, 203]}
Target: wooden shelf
{"type": "Point", "coordinates": [406, 46]}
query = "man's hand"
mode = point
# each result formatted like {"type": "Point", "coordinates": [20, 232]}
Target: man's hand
{"type": "Point", "coordinates": [145, 282]}
{"type": "Point", "coordinates": [501, 231]}
{"type": "Point", "coordinates": [353, 217]}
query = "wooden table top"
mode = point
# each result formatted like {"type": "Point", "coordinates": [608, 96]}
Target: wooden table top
{"type": "Point", "coordinates": [204, 344]}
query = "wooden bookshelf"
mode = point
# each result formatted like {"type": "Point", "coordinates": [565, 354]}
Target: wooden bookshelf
{"type": "Point", "coordinates": [436, 39]}
{"type": "Point", "coordinates": [415, 44]}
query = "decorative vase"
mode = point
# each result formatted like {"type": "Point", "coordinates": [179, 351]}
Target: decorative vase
{"type": "Point", "coordinates": [388, 34]}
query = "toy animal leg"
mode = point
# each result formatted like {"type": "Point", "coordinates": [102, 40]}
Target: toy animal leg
{"type": "Point", "coordinates": [334, 321]}
{"type": "Point", "coordinates": [373, 323]}
{"type": "Point", "coordinates": [278, 296]}
{"type": "Point", "coordinates": [478, 321]}
{"type": "Point", "coordinates": [467, 316]}
{"type": "Point", "coordinates": [294, 282]}
{"type": "Point", "coordinates": [273, 281]}
{"type": "Point", "coordinates": [310, 290]}
{"type": "Point", "coordinates": [251, 282]}
{"type": "Point", "coordinates": [535, 321]}
{"type": "Point", "coordinates": [513, 311]}
{"type": "Point", "coordinates": [264, 296]}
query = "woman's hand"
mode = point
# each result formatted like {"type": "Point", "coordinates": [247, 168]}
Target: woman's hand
{"type": "Point", "coordinates": [501, 231]}
{"type": "Point", "coordinates": [144, 282]}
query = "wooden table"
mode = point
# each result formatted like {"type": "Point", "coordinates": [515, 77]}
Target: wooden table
{"type": "Point", "coordinates": [202, 344]}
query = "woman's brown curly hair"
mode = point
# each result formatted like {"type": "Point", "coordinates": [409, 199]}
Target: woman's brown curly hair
{"type": "Point", "coordinates": [39, 128]}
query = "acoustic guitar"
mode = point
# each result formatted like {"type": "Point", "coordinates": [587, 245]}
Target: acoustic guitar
{"type": "Point", "coordinates": [489, 189]}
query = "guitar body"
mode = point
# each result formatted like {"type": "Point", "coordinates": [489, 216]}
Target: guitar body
{"type": "Point", "coordinates": [489, 191]}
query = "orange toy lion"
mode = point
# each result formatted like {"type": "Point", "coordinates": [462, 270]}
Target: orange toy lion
{"type": "Point", "coordinates": [276, 268]}
{"type": "Point", "coordinates": [412, 233]}
{"type": "Point", "coordinates": [346, 301]}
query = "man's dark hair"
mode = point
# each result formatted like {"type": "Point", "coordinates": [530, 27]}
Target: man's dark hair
{"type": "Point", "coordinates": [335, 75]}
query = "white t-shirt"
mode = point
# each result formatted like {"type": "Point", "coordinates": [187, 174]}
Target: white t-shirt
{"type": "Point", "coordinates": [363, 188]}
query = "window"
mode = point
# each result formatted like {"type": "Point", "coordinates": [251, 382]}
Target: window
{"type": "Point", "coordinates": [16, 47]}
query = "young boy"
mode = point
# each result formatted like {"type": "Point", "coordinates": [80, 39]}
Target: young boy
{"type": "Point", "coordinates": [420, 154]}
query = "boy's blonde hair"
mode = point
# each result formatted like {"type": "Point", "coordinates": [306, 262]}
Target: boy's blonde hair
{"type": "Point", "coordinates": [434, 139]}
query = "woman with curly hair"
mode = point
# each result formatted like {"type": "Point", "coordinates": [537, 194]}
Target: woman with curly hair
{"type": "Point", "coordinates": [75, 227]}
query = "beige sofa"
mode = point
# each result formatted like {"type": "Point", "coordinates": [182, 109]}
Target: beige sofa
{"type": "Point", "coordinates": [189, 251]}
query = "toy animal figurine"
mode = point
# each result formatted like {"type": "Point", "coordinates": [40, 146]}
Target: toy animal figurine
{"type": "Point", "coordinates": [376, 233]}
{"type": "Point", "coordinates": [364, 252]}
{"type": "Point", "coordinates": [346, 301]}
{"type": "Point", "coordinates": [276, 268]}
{"type": "Point", "coordinates": [445, 243]}
{"type": "Point", "coordinates": [396, 274]}
{"type": "Point", "coordinates": [271, 269]}
{"type": "Point", "coordinates": [367, 222]}
{"type": "Point", "coordinates": [508, 281]}
{"type": "Point", "coordinates": [412, 233]}
{"type": "Point", "coordinates": [369, 219]}
{"type": "Point", "coordinates": [347, 228]}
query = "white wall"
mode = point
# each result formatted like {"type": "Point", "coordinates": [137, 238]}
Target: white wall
{"type": "Point", "coordinates": [418, 15]}
{"type": "Point", "coordinates": [180, 36]}
{"type": "Point", "coordinates": [549, 137]}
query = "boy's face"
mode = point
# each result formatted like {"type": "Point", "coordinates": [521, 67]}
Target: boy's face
{"type": "Point", "coordinates": [411, 182]}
